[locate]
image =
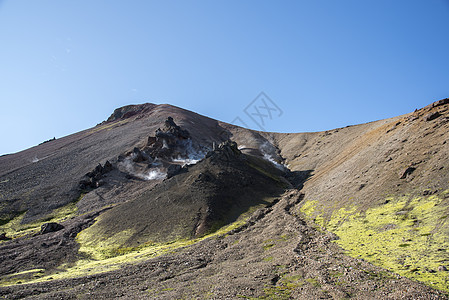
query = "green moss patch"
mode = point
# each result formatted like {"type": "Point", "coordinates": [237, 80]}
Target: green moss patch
{"type": "Point", "coordinates": [20, 277]}
{"type": "Point", "coordinates": [108, 126]}
{"type": "Point", "coordinates": [97, 261]}
{"type": "Point", "coordinates": [94, 244]}
{"type": "Point", "coordinates": [14, 227]}
{"type": "Point", "coordinates": [284, 288]}
{"type": "Point", "coordinates": [407, 235]}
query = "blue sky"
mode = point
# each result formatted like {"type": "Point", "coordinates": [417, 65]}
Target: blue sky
{"type": "Point", "coordinates": [66, 65]}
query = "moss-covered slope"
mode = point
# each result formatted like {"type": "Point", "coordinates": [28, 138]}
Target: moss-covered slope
{"type": "Point", "coordinates": [382, 188]}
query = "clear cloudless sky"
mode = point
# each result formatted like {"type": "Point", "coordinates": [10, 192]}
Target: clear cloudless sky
{"type": "Point", "coordinates": [66, 65]}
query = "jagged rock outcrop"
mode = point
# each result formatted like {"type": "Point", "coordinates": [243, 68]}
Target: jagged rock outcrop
{"type": "Point", "coordinates": [93, 179]}
{"type": "Point", "coordinates": [139, 156]}
{"type": "Point", "coordinates": [171, 130]}
{"type": "Point", "coordinates": [437, 103]}
{"type": "Point", "coordinates": [167, 151]}
{"type": "Point", "coordinates": [173, 170]}
{"type": "Point", "coordinates": [432, 116]}
{"type": "Point", "coordinates": [225, 151]}
{"type": "Point", "coordinates": [169, 142]}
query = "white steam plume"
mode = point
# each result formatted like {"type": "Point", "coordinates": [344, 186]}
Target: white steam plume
{"type": "Point", "coordinates": [192, 156]}
{"type": "Point", "coordinates": [155, 175]}
{"type": "Point", "coordinates": [264, 149]}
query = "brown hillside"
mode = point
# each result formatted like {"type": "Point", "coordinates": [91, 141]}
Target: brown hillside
{"type": "Point", "coordinates": [152, 204]}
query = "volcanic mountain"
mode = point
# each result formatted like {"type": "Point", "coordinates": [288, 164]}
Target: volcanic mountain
{"type": "Point", "coordinates": [159, 202]}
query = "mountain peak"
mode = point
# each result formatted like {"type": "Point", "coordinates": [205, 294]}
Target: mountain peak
{"type": "Point", "coordinates": [127, 111]}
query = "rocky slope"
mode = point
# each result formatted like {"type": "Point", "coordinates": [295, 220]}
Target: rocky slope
{"type": "Point", "coordinates": [275, 215]}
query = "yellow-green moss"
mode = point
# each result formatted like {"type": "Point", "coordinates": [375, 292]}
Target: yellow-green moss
{"type": "Point", "coordinates": [408, 235]}
{"type": "Point", "coordinates": [313, 282]}
{"type": "Point", "coordinates": [267, 246]}
{"type": "Point", "coordinates": [95, 246]}
{"type": "Point", "coordinates": [284, 288]}
{"type": "Point", "coordinates": [309, 207]}
{"type": "Point", "coordinates": [108, 126]}
{"type": "Point", "coordinates": [97, 260]}
{"type": "Point", "coordinates": [14, 228]}
{"type": "Point", "coordinates": [20, 277]}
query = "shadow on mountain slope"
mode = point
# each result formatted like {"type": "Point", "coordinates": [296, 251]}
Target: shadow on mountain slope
{"type": "Point", "coordinates": [200, 199]}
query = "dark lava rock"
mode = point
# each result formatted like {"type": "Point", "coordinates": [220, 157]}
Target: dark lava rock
{"type": "Point", "coordinates": [93, 179]}
{"type": "Point", "coordinates": [204, 177]}
{"type": "Point", "coordinates": [429, 192]}
{"type": "Point", "coordinates": [172, 170]}
{"type": "Point", "coordinates": [171, 127]}
{"type": "Point", "coordinates": [225, 151]}
{"type": "Point", "coordinates": [169, 142]}
{"type": "Point", "coordinates": [107, 167]}
{"type": "Point", "coordinates": [407, 172]}
{"type": "Point", "coordinates": [171, 132]}
{"type": "Point", "coordinates": [442, 269]}
{"type": "Point", "coordinates": [50, 227]}
{"type": "Point", "coordinates": [439, 103]}
{"type": "Point", "coordinates": [432, 116]}
{"type": "Point", "coordinates": [3, 237]}
{"type": "Point", "coordinates": [138, 156]}
{"type": "Point", "coordinates": [84, 184]}
{"type": "Point", "coordinates": [47, 141]}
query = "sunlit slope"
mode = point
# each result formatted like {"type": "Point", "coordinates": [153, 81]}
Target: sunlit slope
{"type": "Point", "coordinates": [382, 188]}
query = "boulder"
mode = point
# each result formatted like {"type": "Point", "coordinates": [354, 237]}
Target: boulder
{"type": "Point", "coordinates": [172, 170]}
{"type": "Point", "coordinates": [138, 156]}
{"type": "Point", "coordinates": [442, 269]}
{"type": "Point", "coordinates": [50, 227]}
{"type": "Point", "coordinates": [85, 184]}
{"type": "Point", "coordinates": [93, 179]}
{"type": "Point", "coordinates": [3, 237]}
{"type": "Point", "coordinates": [404, 174]}
{"type": "Point", "coordinates": [170, 126]}
{"type": "Point", "coordinates": [432, 116]}
{"type": "Point", "coordinates": [107, 167]}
